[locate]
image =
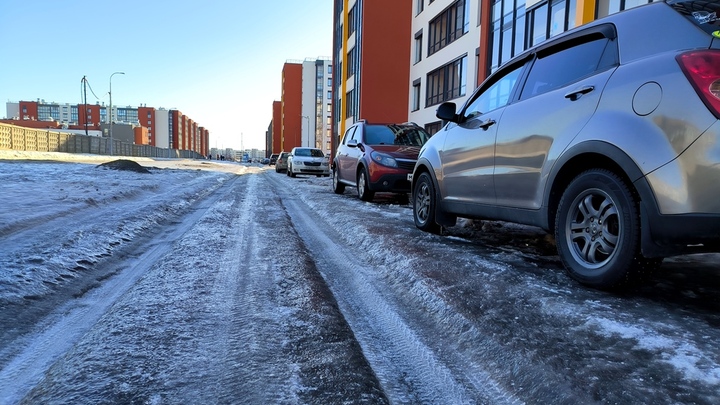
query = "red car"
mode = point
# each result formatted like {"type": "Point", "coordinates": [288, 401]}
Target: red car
{"type": "Point", "coordinates": [377, 158]}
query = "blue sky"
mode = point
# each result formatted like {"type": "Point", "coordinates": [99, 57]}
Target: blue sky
{"type": "Point", "coordinates": [218, 62]}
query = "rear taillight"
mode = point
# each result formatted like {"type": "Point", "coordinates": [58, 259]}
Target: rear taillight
{"type": "Point", "coordinates": [702, 68]}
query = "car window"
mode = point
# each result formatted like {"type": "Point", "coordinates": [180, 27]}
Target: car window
{"type": "Point", "coordinates": [495, 96]}
{"type": "Point", "coordinates": [558, 69]}
{"type": "Point", "coordinates": [348, 134]}
{"type": "Point", "coordinates": [704, 14]}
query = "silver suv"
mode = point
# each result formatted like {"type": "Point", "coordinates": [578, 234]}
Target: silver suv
{"type": "Point", "coordinates": [606, 136]}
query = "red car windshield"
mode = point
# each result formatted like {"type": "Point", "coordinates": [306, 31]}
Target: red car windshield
{"type": "Point", "coordinates": [395, 135]}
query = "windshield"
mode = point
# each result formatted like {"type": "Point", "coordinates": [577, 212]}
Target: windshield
{"type": "Point", "coordinates": [309, 152]}
{"type": "Point", "coordinates": [395, 135]}
{"type": "Point", "coordinates": [703, 13]}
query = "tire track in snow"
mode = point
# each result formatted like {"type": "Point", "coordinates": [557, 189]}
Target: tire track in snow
{"type": "Point", "coordinates": [409, 371]}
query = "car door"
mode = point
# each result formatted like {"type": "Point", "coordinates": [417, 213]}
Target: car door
{"type": "Point", "coordinates": [350, 154]}
{"type": "Point", "coordinates": [467, 155]}
{"type": "Point", "coordinates": [559, 96]}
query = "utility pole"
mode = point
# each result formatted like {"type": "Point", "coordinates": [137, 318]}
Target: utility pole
{"type": "Point", "coordinates": [84, 81]}
{"type": "Point", "coordinates": [110, 112]}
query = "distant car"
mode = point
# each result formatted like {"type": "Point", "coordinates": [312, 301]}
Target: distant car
{"type": "Point", "coordinates": [377, 158]}
{"type": "Point", "coordinates": [273, 158]}
{"type": "Point", "coordinates": [281, 162]}
{"type": "Point", "coordinates": [607, 135]}
{"type": "Point", "coordinates": [307, 161]}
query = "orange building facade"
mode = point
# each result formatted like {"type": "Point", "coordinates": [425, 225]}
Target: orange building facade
{"type": "Point", "coordinates": [276, 141]}
{"type": "Point", "coordinates": [291, 106]}
{"type": "Point", "coordinates": [370, 76]}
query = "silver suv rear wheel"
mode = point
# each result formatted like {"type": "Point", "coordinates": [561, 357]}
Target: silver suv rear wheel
{"type": "Point", "coordinates": [597, 231]}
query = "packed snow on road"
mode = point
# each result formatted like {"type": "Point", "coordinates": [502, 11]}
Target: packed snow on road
{"type": "Point", "coordinates": [136, 280]}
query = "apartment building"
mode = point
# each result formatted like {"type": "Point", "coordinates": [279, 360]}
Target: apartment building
{"type": "Point", "coordinates": [444, 64]}
{"type": "Point", "coordinates": [302, 117]}
{"type": "Point", "coordinates": [371, 57]}
{"type": "Point", "coordinates": [159, 127]}
{"type": "Point", "coordinates": [291, 106]}
{"type": "Point", "coordinates": [276, 125]}
{"type": "Point", "coordinates": [451, 47]}
{"type": "Point", "coordinates": [316, 103]}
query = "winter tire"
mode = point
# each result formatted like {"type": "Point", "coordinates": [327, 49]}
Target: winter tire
{"type": "Point", "coordinates": [338, 187]}
{"type": "Point", "coordinates": [597, 232]}
{"type": "Point", "coordinates": [424, 201]}
{"type": "Point", "coordinates": [363, 186]}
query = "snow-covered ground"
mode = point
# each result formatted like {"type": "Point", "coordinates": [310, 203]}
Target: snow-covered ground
{"type": "Point", "coordinates": [72, 186]}
{"type": "Point", "coordinates": [482, 313]}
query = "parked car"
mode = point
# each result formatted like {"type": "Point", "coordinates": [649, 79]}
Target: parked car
{"type": "Point", "coordinates": [281, 162]}
{"type": "Point", "coordinates": [273, 158]}
{"type": "Point", "coordinates": [377, 158]}
{"type": "Point", "coordinates": [265, 161]}
{"type": "Point", "coordinates": [307, 161]}
{"type": "Point", "coordinates": [606, 136]}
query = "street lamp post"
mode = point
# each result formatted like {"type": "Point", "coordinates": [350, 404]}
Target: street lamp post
{"type": "Point", "coordinates": [308, 130]}
{"type": "Point", "coordinates": [110, 121]}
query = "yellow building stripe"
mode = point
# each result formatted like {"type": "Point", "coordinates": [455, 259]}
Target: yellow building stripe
{"type": "Point", "coordinates": [585, 12]}
{"type": "Point", "coordinates": [343, 79]}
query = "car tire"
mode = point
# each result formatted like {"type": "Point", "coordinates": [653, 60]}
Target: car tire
{"type": "Point", "coordinates": [424, 201]}
{"type": "Point", "coordinates": [338, 187]}
{"type": "Point", "coordinates": [290, 172]}
{"type": "Point", "coordinates": [597, 232]}
{"type": "Point", "coordinates": [363, 187]}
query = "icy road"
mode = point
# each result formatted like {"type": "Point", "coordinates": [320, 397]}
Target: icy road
{"type": "Point", "coordinates": [215, 282]}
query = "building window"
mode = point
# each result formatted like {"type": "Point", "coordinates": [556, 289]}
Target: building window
{"type": "Point", "coordinates": [539, 24]}
{"type": "Point", "coordinates": [448, 26]}
{"type": "Point", "coordinates": [416, 95]}
{"type": "Point", "coordinates": [507, 30]}
{"type": "Point", "coordinates": [352, 55]}
{"type": "Point", "coordinates": [352, 24]}
{"type": "Point", "coordinates": [418, 46]}
{"type": "Point", "coordinates": [433, 127]}
{"type": "Point", "coordinates": [419, 6]}
{"type": "Point", "coordinates": [350, 104]}
{"type": "Point", "coordinates": [447, 82]}
{"type": "Point", "coordinates": [329, 95]}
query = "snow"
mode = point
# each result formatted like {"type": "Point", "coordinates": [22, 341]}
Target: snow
{"type": "Point", "coordinates": [71, 186]}
{"type": "Point", "coordinates": [494, 293]}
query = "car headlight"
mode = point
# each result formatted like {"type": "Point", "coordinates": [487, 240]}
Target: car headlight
{"type": "Point", "coordinates": [383, 159]}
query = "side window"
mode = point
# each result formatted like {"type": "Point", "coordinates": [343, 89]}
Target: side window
{"type": "Point", "coordinates": [348, 134]}
{"type": "Point", "coordinates": [495, 96]}
{"type": "Point", "coordinates": [558, 69]}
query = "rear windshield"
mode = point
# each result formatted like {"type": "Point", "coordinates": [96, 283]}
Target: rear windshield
{"type": "Point", "coordinates": [703, 13]}
{"type": "Point", "coordinates": [395, 135]}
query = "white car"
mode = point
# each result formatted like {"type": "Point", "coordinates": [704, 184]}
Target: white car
{"type": "Point", "coordinates": [307, 161]}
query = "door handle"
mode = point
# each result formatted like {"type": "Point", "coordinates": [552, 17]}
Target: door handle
{"type": "Point", "coordinates": [576, 94]}
{"type": "Point", "coordinates": [487, 124]}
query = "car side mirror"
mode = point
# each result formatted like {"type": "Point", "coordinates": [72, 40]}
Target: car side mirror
{"type": "Point", "coordinates": [447, 112]}
{"type": "Point", "coordinates": [352, 143]}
